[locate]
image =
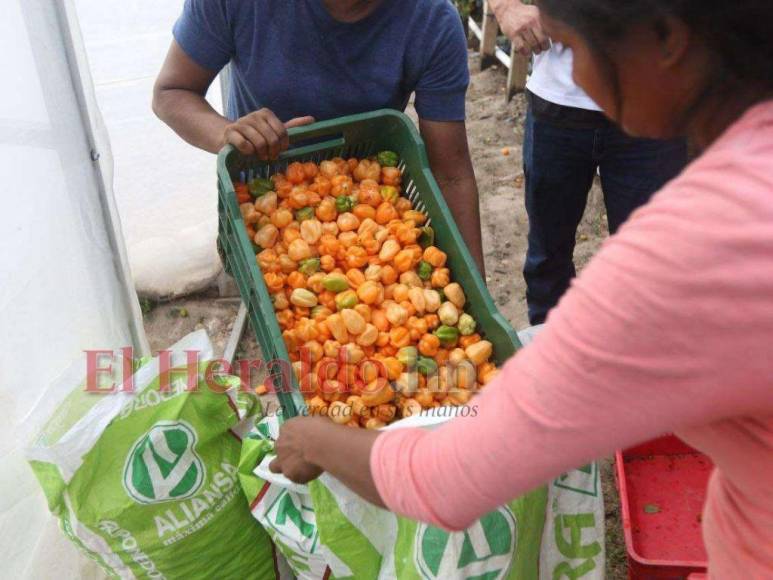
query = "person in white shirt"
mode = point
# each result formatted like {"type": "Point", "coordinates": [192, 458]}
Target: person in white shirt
{"type": "Point", "coordinates": [567, 140]}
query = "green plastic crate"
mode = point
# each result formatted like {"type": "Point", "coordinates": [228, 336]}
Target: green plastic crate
{"type": "Point", "coordinates": [353, 136]}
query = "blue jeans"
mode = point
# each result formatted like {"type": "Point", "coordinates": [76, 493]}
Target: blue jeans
{"type": "Point", "coordinates": [559, 164]}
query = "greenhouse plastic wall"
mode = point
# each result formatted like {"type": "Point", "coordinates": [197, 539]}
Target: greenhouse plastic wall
{"type": "Point", "coordinates": [65, 280]}
{"type": "Point", "coordinates": [165, 189]}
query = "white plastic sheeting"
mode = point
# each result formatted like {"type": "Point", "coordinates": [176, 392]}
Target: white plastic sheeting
{"type": "Point", "coordinates": [64, 280]}
{"type": "Point", "coordinates": [166, 189]}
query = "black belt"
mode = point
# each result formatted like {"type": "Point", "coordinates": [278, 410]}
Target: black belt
{"type": "Point", "coordinates": [570, 117]}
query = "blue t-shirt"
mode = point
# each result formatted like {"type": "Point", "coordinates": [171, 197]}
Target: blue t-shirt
{"type": "Point", "coordinates": [294, 58]}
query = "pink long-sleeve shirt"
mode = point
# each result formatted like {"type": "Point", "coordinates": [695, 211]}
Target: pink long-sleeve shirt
{"type": "Point", "coordinates": [669, 328]}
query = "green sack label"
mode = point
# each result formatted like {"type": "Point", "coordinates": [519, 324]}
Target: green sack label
{"type": "Point", "coordinates": [146, 483]}
{"type": "Point", "coordinates": [289, 519]}
{"type": "Point", "coordinates": [482, 552]}
{"type": "Point", "coordinates": [326, 529]}
{"type": "Point", "coordinates": [292, 524]}
{"type": "Point", "coordinates": [163, 464]}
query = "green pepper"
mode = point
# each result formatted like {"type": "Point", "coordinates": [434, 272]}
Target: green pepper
{"type": "Point", "coordinates": [466, 325]}
{"type": "Point", "coordinates": [346, 299]}
{"type": "Point", "coordinates": [305, 213]}
{"type": "Point", "coordinates": [344, 203]}
{"type": "Point", "coordinates": [309, 266]}
{"type": "Point", "coordinates": [442, 295]}
{"type": "Point", "coordinates": [178, 313]}
{"type": "Point", "coordinates": [424, 270]}
{"type": "Point", "coordinates": [146, 305]}
{"type": "Point", "coordinates": [335, 283]}
{"type": "Point", "coordinates": [448, 335]}
{"type": "Point", "coordinates": [389, 193]}
{"type": "Point", "coordinates": [408, 356]}
{"type": "Point", "coordinates": [388, 159]}
{"type": "Point", "coordinates": [426, 366]}
{"type": "Point", "coordinates": [314, 311]}
{"type": "Point", "coordinates": [427, 237]}
{"type": "Point", "coordinates": [260, 186]}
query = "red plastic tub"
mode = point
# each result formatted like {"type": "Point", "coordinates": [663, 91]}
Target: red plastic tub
{"type": "Point", "coordinates": [662, 487]}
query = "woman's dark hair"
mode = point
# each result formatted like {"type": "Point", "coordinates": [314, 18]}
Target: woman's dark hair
{"type": "Point", "coordinates": [738, 33]}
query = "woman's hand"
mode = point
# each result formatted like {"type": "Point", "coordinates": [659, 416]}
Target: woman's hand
{"type": "Point", "coordinates": [293, 449]}
{"type": "Point", "coordinates": [307, 446]}
{"type": "Point", "coordinates": [261, 133]}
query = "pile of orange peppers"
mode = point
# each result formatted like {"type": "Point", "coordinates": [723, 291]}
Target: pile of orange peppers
{"type": "Point", "coordinates": [373, 323]}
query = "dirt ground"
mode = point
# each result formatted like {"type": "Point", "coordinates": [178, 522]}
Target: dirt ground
{"type": "Point", "coordinates": [495, 131]}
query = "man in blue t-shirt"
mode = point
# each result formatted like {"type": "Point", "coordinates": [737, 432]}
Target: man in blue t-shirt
{"type": "Point", "coordinates": [296, 61]}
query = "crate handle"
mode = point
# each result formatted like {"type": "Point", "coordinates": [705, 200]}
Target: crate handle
{"type": "Point", "coordinates": [313, 148]}
{"type": "Point", "coordinates": [321, 128]}
{"type": "Point", "coordinates": [312, 131]}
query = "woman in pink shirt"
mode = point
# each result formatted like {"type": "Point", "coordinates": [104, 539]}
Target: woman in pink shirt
{"type": "Point", "coordinates": [669, 328]}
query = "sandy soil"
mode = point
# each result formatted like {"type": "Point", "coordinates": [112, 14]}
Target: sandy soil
{"type": "Point", "coordinates": [494, 127]}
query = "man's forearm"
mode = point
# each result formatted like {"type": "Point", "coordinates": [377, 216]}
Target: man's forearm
{"type": "Point", "coordinates": [449, 158]}
{"type": "Point", "coordinates": [191, 117]}
{"type": "Point", "coordinates": [461, 195]}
